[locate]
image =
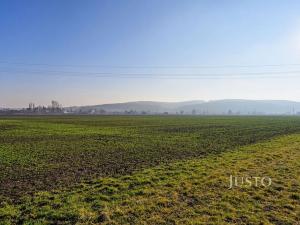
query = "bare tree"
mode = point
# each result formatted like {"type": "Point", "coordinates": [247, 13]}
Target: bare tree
{"type": "Point", "coordinates": [55, 106]}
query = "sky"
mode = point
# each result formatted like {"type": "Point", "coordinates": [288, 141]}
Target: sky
{"type": "Point", "coordinates": [93, 52]}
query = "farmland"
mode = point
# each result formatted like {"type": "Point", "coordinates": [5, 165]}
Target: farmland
{"type": "Point", "coordinates": [140, 169]}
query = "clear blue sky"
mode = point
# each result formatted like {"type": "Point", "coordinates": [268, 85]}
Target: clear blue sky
{"type": "Point", "coordinates": [52, 50]}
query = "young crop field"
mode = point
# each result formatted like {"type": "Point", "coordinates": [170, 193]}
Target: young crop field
{"type": "Point", "coordinates": [148, 169]}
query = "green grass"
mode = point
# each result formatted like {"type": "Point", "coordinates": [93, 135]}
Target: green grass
{"type": "Point", "coordinates": [45, 153]}
{"type": "Point", "coordinates": [148, 170]}
{"type": "Point", "coordinates": [193, 191]}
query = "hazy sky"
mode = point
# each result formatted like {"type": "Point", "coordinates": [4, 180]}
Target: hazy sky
{"type": "Point", "coordinates": [92, 52]}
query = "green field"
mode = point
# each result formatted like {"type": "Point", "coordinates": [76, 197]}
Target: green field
{"type": "Point", "coordinates": [148, 169]}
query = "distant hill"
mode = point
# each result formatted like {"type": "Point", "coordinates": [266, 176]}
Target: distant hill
{"type": "Point", "coordinates": [239, 106]}
{"type": "Point", "coordinates": [139, 106]}
{"type": "Point", "coordinates": [229, 106]}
